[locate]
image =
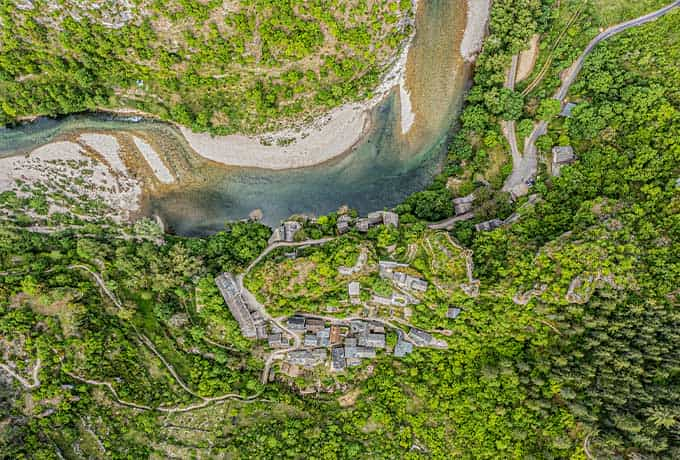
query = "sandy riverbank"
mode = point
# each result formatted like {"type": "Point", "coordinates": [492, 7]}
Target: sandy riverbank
{"type": "Point", "coordinates": [159, 169]}
{"type": "Point", "coordinates": [327, 138]}
{"type": "Point", "coordinates": [475, 30]}
{"type": "Point", "coordinates": [324, 139]}
{"type": "Point", "coordinates": [69, 174]}
{"type": "Point", "coordinates": [108, 147]}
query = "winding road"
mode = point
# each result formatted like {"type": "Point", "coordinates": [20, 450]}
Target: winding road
{"type": "Point", "coordinates": [254, 304]}
{"type": "Point", "coordinates": [527, 167]}
{"type": "Point", "coordinates": [576, 67]}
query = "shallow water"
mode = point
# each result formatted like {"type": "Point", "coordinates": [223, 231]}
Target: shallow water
{"type": "Point", "coordinates": [380, 172]}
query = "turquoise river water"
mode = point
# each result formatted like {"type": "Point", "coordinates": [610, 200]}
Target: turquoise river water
{"type": "Point", "coordinates": [379, 172]}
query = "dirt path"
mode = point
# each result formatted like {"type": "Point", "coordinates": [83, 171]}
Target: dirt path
{"type": "Point", "coordinates": [527, 59]}
{"type": "Point", "coordinates": [172, 409]}
{"type": "Point", "coordinates": [546, 66]}
{"type": "Point", "coordinates": [149, 344]}
{"type": "Point", "coordinates": [25, 383]}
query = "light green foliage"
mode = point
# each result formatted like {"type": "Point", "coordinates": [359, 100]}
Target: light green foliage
{"type": "Point", "coordinates": [573, 334]}
{"type": "Point", "coordinates": [193, 62]}
{"type": "Point", "coordinates": [309, 282]}
{"type": "Point", "coordinates": [219, 323]}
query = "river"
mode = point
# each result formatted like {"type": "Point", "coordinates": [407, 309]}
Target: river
{"type": "Point", "coordinates": [382, 169]}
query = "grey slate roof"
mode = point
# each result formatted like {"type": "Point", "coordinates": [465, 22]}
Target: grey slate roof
{"type": "Point", "coordinates": [402, 348]}
{"type": "Point", "coordinates": [296, 323]}
{"type": "Point", "coordinates": [232, 296]}
{"type": "Point", "coordinates": [453, 313]}
{"type": "Point", "coordinates": [354, 288]}
{"type": "Point", "coordinates": [563, 154]}
{"type": "Point", "coordinates": [372, 340]}
{"type": "Point", "coordinates": [337, 359]}
{"type": "Point", "coordinates": [419, 336]}
{"type": "Point", "coordinates": [290, 228]}
{"type": "Point", "coordinates": [391, 218]}
{"type": "Point", "coordinates": [488, 225]}
{"type": "Point", "coordinates": [310, 340]}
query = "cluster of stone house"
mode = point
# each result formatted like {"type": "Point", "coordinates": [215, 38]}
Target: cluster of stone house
{"type": "Point", "coordinates": [388, 270]}
{"type": "Point", "coordinates": [349, 343]}
{"type": "Point", "coordinates": [362, 224]}
{"type": "Point", "coordinates": [251, 322]}
{"type": "Point", "coordinates": [285, 232]}
{"type": "Point", "coordinates": [406, 283]}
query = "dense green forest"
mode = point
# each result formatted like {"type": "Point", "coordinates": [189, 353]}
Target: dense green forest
{"type": "Point", "coordinates": [241, 66]}
{"type": "Point", "coordinates": [570, 350]}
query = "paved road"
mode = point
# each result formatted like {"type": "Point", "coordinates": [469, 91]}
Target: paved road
{"type": "Point", "coordinates": [508, 128]}
{"type": "Point", "coordinates": [613, 30]}
{"type": "Point", "coordinates": [527, 167]}
{"type": "Point", "coordinates": [447, 224]}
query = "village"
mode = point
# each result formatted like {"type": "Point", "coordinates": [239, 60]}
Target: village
{"type": "Point", "coordinates": [303, 341]}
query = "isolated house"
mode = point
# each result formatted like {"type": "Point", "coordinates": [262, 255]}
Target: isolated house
{"type": "Point", "coordinates": [463, 204]}
{"type": "Point", "coordinates": [562, 155]}
{"type": "Point", "coordinates": [402, 348]}
{"type": "Point", "coordinates": [567, 109]}
{"type": "Point", "coordinates": [452, 313]}
{"type": "Point", "coordinates": [488, 225]}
